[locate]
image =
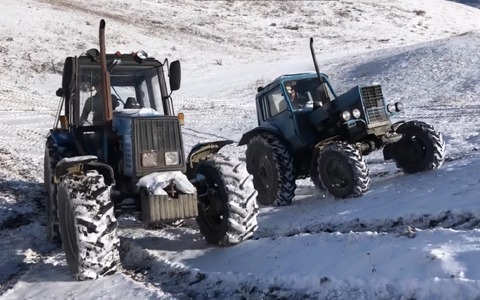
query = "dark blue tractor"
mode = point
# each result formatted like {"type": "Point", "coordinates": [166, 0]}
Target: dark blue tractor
{"type": "Point", "coordinates": [121, 150]}
{"type": "Point", "coordinates": [306, 130]}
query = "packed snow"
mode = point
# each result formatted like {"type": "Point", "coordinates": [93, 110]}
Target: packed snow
{"type": "Point", "coordinates": [409, 237]}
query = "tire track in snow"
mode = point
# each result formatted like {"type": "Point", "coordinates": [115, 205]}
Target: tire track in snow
{"type": "Point", "coordinates": [24, 134]}
{"type": "Point", "coordinates": [21, 217]}
{"type": "Point", "coordinates": [400, 226]}
{"type": "Point", "coordinates": [183, 282]}
{"type": "Point", "coordinates": [184, 279]}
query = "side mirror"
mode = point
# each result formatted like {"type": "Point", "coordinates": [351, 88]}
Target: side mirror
{"type": "Point", "coordinates": [175, 75]}
{"type": "Point", "coordinates": [60, 92]}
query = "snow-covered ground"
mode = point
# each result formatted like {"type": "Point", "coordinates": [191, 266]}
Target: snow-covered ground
{"type": "Point", "coordinates": [410, 237]}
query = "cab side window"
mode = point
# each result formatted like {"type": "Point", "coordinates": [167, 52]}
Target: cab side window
{"type": "Point", "coordinates": [276, 102]}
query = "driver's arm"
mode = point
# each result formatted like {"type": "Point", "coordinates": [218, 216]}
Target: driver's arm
{"type": "Point", "coordinates": [87, 108]}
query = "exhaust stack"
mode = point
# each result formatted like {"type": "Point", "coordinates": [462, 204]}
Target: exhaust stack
{"type": "Point", "coordinates": [321, 91]}
{"type": "Point", "coordinates": [107, 96]}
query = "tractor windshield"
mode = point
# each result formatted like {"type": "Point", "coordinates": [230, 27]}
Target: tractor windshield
{"type": "Point", "coordinates": [132, 86]}
{"type": "Point", "coordinates": [303, 92]}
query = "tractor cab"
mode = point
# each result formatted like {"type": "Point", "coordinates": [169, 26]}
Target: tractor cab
{"type": "Point", "coordinates": [295, 92]}
{"type": "Point", "coordinates": [291, 97]}
{"type": "Point", "coordinates": [137, 93]}
{"type": "Point", "coordinates": [134, 84]}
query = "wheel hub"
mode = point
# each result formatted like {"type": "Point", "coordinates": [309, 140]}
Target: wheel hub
{"type": "Point", "coordinates": [414, 149]}
{"type": "Point", "coordinates": [265, 172]}
{"type": "Point", "coordinates": [212, 207]}
{"type": "Point", "coordinates": [337, 173]}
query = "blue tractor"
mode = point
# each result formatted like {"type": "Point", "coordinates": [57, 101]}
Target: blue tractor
{"type": "Point", "coordinates": [306, 130]}
{"type": "Point", "coordinates": [121, 150]}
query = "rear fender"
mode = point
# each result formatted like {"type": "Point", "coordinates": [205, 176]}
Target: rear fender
{"type": "Point", "coordinates": [262, 131]}
{"type": "Point", "coordinates": [63, 139]}
{"type": "Point", "coordinates": [200, 152]}
{"type": "Point", "coordinates": [81, 165]}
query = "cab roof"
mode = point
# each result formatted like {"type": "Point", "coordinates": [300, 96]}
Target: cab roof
{"type": "Point", "coordinates": [288, 77]}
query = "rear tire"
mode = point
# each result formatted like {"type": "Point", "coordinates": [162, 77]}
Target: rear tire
{"type": "Point", "coordinates": [88, 226]}
{"type": "Point", "coordinates": [342, 170]}
{"type": "Point", "coordinates": [421, 148]}
{"type": "Point", "coordinates": [271, 165]}
{"type": "Point", "coordinates": [227, 210]}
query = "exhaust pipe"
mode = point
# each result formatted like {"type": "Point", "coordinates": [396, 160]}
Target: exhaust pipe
{"type": "Point", "coordinates": [321, 91]}
{"type": "Point", "coordinates": [107, 96]}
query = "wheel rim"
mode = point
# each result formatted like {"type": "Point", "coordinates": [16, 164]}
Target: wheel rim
{"type": "Point", "coordinates": [263, 175]}
{"type": "Point", "coordinates": [212, 206]}
{"type": "Point", "coordinates": [338, 174]}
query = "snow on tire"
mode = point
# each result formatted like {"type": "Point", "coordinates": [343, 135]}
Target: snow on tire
{"type": "Point", "coordinates": [227, 205]}
{"type": "Point", "coordinates": [88, 226]}
{"type": "Point", "coordinates": [342, 170]}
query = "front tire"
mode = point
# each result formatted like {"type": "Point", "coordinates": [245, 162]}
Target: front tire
{"type": "Point", "coordinates": [88, 226]}
{"type": "Point", "coordinates": [271, 165]}
{"type": "Point", "coordinates": [342, 170]}
{"type": "Point", "coordinates": [421, 148]}
{"type": "Point", "coordinates": [227, 205]}
{"type": "Point", "coordinates": [314, 176]}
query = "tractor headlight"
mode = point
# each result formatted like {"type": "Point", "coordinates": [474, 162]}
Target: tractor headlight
{"type": "Point", "coordinates": [346, 115]}
{"type": "Point", "coordinates": [399, 106]}
{"type": "Point", "coordinates": [171, 158]}
{"type": "Point", "coordinates": [356, 113]}
{"type": "Point", "coordinates": [391, 108]}
{"type": "Point", "coordinates": [149, 159]}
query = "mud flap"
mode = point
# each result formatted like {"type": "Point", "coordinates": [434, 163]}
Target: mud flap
{"type": "Point", "coordinates": [81, 165]}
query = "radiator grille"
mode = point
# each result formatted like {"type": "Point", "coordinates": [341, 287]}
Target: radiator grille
{"type": "Point", "coordinates": [158, 135]}
{"type": "Point", "coordinates": [374, 104]}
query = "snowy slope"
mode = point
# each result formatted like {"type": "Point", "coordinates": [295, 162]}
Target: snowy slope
{"type": "Point", "coordinates": [411, 236]}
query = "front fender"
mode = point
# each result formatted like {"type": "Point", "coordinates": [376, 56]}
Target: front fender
{"type": "Point", "coordinates": [201, 151]}
{"type": "Point", "coordinates": [83, 164]}
{"type": "Point", "coordinates": [62, 139]}
{"type": "Point", "coordinates": [396, 125]}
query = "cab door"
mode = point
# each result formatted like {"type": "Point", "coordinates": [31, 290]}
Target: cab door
{"type": "Point", "coordinates": [275, 110]}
